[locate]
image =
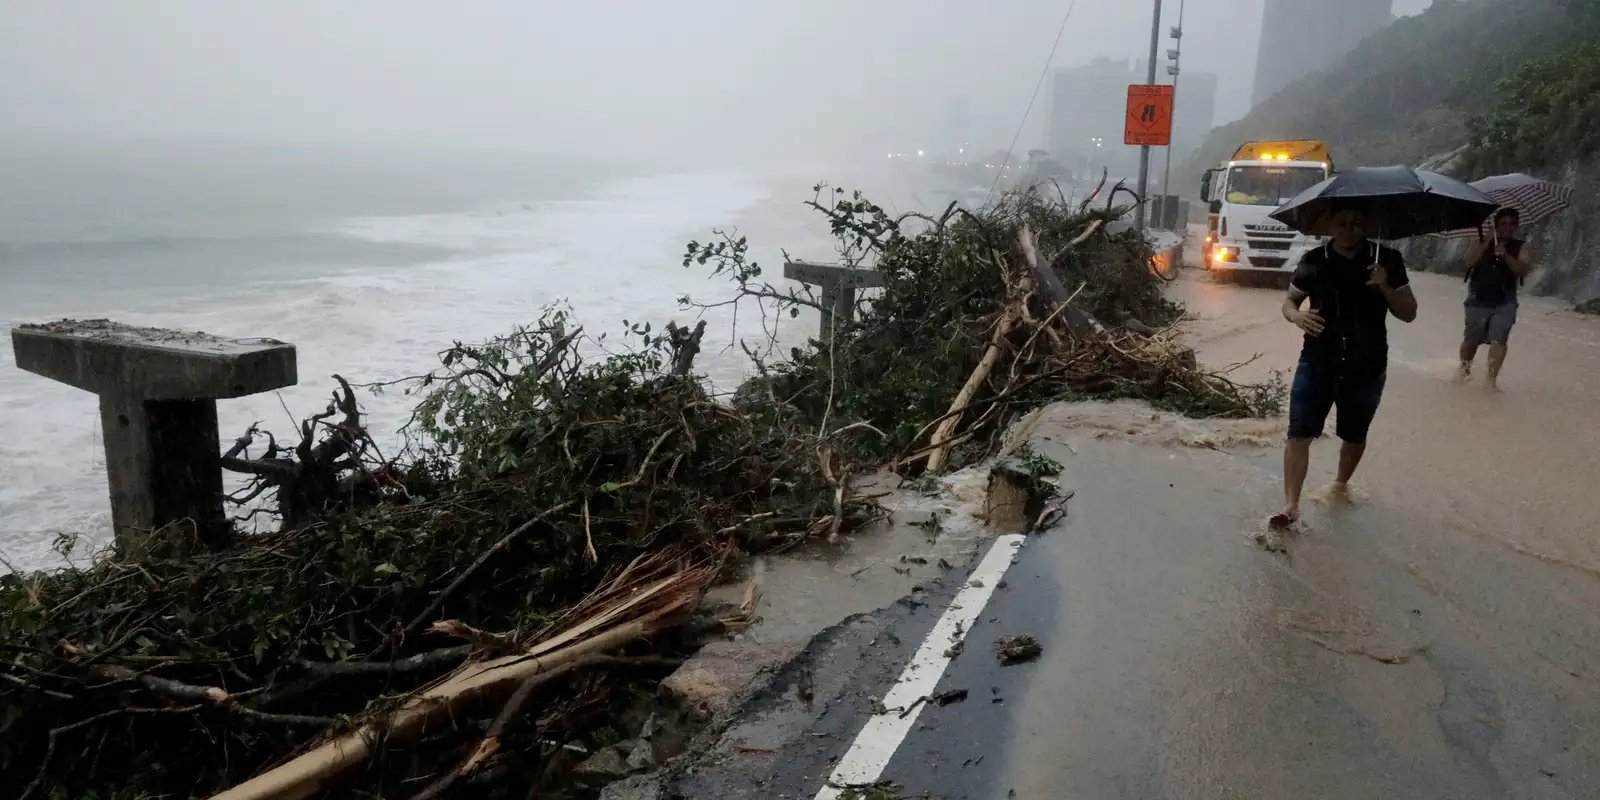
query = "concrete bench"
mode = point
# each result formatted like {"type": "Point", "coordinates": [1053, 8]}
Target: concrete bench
{"type": "Point", "coordinates": [158, 391]}
{"type": "Point", "coordinates": [838, 284]}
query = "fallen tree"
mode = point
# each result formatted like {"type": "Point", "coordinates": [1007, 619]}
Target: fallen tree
{"type": "Point", "coordinates": [534, 476]}
{"type": "Point", "coordinates": [553, 519]}
{"type": "Point", "coordinates": [982, 317]}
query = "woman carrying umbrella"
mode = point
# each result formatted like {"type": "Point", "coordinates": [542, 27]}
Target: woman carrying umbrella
{"type": "Point", "coordinates": [1495, 265]}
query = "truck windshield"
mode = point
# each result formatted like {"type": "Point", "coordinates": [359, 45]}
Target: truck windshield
{"type": "Point", "coordinates": [1270, 186]}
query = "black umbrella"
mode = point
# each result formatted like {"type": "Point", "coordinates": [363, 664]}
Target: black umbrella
{"type": "Point", "coordinates": [1398, 201]}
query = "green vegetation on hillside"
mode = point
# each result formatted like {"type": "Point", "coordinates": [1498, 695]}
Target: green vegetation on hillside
{"type": "Point", "coordinates": [1546, 114]}
{"type": "Point", "coordinates": [1411, 90]}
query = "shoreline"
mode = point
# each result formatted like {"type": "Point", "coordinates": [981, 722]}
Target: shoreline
{"type": "Point", "coordinates": [346, 308]}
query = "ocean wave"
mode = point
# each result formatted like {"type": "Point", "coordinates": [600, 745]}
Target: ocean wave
{"type": "Point", "coordinates": [612, 254]}
{"type": "Point", "coordinates": [634, 208]}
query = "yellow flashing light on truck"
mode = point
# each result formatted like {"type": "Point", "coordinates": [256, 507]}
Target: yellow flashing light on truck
{"type": "Point", "coordinates": [1285, 150]}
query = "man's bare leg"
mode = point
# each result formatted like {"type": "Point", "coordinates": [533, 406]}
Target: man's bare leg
{"type": "Point", "coordinates": [1296, 462]}
{"type": "Point", "coordinates": [1469, 352]}
{"type": "Point", "coordinates": [1497, 359]}
{"type": "Point", "coordinates": [1350, 454]}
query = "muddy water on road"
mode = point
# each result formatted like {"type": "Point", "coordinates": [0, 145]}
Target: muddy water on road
{"type": "Point", "coordinates": [1383, 653]}
{"type": "Point", "coordinates": [1520, 467]}
{"type": "Point", "coordinates": [1435, 636]}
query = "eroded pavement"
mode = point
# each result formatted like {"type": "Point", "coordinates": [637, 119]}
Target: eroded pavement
{"type": "Point", "coordinates": [1435, 636]}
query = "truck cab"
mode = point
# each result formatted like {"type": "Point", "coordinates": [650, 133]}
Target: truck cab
{"type": "Point", "coordinates": [1242, 191]}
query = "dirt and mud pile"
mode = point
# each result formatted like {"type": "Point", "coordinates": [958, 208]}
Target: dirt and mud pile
{"type": "Point", "coordinates": [467, 618]}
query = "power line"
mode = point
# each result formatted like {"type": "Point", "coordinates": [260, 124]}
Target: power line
{"type": "Point", "coordinates": [1043, 73]}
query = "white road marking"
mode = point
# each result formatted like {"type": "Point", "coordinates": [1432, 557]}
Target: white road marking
{"type": "Point", "coordinates": [864, 762]}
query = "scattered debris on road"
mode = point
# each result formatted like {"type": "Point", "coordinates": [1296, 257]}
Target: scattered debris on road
{"type": "Point", "coordinates": [1054, 511]}
{"type": "Point", "coordinates": [882, 790]}
{"type": "Point", "coordinates": [1018, 649]}
{"type": "Point", "coordinates": [939, 699]}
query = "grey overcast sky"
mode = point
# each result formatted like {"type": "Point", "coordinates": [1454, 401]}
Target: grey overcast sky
{"type": "Point", "coordinates": [656, 78]}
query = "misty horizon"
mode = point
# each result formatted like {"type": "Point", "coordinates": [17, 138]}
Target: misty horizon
{"type": "Point", "coordinates": [700, 82]}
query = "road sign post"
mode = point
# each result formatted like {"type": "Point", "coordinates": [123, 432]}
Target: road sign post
{"type": "Point", "coordinates": [1144, 150]}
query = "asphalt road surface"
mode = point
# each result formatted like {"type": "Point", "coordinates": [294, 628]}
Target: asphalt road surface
{"type": "Point", "coordinates": [1437, 636]}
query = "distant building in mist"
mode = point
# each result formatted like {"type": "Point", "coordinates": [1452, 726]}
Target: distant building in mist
{"type": "Point", "coordinates": [1194, 111]}
{"type": "Point", "coordinates": [957, 133]}
{"type": "Point", "coordinates": [1299, 37]}
{"type": "Point", "coordinates": [1087, 104]}
{"type": "Point", "coordinates": [1086, 109]}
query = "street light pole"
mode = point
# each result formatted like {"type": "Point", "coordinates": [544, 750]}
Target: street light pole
{"type": "Point", "coordinates": [1144, 150]}
{"type": "Point", "coordinates": [1177, 72]}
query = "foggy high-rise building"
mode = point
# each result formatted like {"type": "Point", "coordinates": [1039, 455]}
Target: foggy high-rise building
{"type": "Point", "coordinates": [1194, 111]}
{"type": "Point", "coordinates": [1087, 110]}
{"type": "Point", "coordinates": [957, 134]}
{"type": "Point", "coordinates": [1302, 36]}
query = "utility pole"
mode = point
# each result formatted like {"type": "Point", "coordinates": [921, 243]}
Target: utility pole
{"type": "Point", "coordinates": [1176, 54]}
{"type": "Point", "coordinates": [1144, 150]}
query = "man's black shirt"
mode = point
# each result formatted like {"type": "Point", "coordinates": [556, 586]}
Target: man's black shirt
{"type": "Point", "coordinates": [1355, 339]}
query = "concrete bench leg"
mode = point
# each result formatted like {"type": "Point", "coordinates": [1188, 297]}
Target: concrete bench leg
{"type": "Point", "coordinates": [163, 466]}
{"type": "Point", "coordinates": [838, 303]}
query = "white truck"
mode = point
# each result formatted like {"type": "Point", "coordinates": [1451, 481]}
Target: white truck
{"type": "Point", "coordinates": [1241, 192]}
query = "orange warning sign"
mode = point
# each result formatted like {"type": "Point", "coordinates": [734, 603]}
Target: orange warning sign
{"type": "Point", "coordinates": [1149, 115]}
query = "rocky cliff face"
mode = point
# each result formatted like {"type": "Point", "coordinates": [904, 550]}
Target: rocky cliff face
{"type": "Point", "coordinates": [1568, 246]}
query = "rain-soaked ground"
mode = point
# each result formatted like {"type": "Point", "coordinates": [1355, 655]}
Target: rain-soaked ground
{"type": "Point", "coordinates": [1436, 636]}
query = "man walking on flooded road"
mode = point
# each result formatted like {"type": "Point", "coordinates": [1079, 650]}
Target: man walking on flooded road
{"type": "Point", "coordinates": [1352, 284]}
{"type": "Point", "coordinates": [1495, 265]}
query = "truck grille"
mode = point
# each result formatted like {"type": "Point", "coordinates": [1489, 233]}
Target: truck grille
{"type": "Point", "coordinates": [1272, 239]}
{"type": "Point", "coordinates": [1269, 244]}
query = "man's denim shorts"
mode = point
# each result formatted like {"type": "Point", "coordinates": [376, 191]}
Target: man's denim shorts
{"type": "Point", "coordinates": [1491, 325]}
{"type": "Point", "coordinates": [1318, 388]}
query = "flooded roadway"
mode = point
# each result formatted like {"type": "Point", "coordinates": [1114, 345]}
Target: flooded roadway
{"type": "Point", "coordinates": [1438, 637]}
{"type": "Point", "coordinates": [1521, 467]}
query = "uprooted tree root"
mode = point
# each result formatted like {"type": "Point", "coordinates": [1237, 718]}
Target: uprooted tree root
{"type": "Point", "coordinates": [454, 620]}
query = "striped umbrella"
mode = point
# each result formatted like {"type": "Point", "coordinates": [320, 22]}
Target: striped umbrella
{"type": "Point", "coordinates": [1534, 199]}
